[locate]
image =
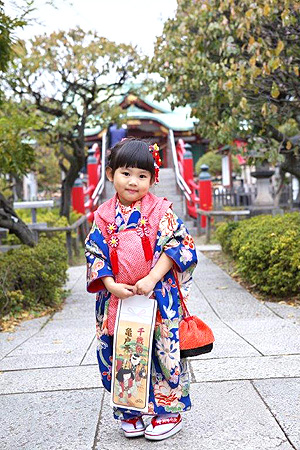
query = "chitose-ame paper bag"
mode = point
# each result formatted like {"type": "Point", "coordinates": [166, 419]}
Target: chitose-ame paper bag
{"type": "Point", "coordinates": [133, 338]}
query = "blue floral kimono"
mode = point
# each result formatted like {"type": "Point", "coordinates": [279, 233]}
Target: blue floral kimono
{"type": "Point", "coordinates": [169, 380]}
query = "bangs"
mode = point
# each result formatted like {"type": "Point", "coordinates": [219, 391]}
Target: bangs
{"type": "Point", "coordinates": [132, 153]}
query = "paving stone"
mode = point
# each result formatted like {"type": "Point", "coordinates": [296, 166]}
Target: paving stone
{"type": "Point", "coordinates": [61, 347]}
{"type": "Point", "coordinates": [228, 298]}
{"type": "Point", "coordinates": [217, 421]}
{"type": "Point", "coordinates": [283, 399]}
{"type": "Point", "coordinates": [91, 356]}
{"type": "Point", "coordinates": [68, 357]}
{"type": "Point", "coordinates": [79, 295]}
{"type": "Point", "coordinates": [285, 311]}
{"type": "Point", "coordinates": [71, 317]}
{"type": "Point", "coordinates": [53, 379]}
{"type": "Point", "coordinates": [50, 421]}
{"type": "Point", "coordinates": [75, 274]}
{"type": "Point", "coordinates": [228, 343]}
{"type": "Point", "coordinates": [232, 302]}
{"type": "Point", "coordinates": [246, 368]}
{"type": "Point", "coordinates": [10, 340]}
{"type": "Point", "coordinates": [209, 248]}
{"type": "Point", "coordinates": [197, 304]}
{"type": "Point", "coordinates": [57, 339]}
{"type": "Point", "coordinates": [271, 336]}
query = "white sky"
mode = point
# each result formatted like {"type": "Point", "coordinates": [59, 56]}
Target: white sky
{"type": "Point", "coordinates": [129, 21]}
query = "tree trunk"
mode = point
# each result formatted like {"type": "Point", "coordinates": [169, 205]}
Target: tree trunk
{"type": "Point", "coordinates": [18, 188]}
{"type": "Point", "coordinates": [291, 164]}
{"type": "Point", "coordinates": [67, 184]}
{"type": "Point", "coordinates": [10, 220]}
{"type": "Point", "coordinates": [279, 183]}
{"type": "Point", "coordinates": [65, 202]}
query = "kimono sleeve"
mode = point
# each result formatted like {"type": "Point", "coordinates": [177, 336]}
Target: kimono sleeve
{"type": "Point", "coordinates": [97, 257]}
{"type": "Point", "coordinates": [176, 242]}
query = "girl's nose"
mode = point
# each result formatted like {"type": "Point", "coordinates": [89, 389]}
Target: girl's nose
{"type": "Point", "coordinates": [133, 181]}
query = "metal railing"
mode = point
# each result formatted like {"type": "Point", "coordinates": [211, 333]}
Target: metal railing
{"type": "Point", "coordinates": [33, 206]}
{"type": "Point", "coordinates": [80, 227]}
{"type": "Point", "coordinates": [100, 186]}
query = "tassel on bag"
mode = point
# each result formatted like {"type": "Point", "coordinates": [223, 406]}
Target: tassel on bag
{"type": "Point", "coordinates": [114, 261]}
{"type": "Point", "coordinates": [195, 337]}
{"type": "Point", "coordinates": [147, 248]}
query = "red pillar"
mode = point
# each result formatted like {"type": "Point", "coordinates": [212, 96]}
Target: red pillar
{"type": "Point", "coordinates": [78, 196]}
{"type": "Point", "coordinates": [92, 171]}
{"type": "Point", "coordinates": [188, 166]}
{"type": "Point", "coordinates": [205, 192]}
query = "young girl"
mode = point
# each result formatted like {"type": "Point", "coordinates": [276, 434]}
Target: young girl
{"type": "Point", "coordinates": [141, 260]}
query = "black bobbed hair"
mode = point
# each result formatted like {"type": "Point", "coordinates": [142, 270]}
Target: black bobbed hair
{"type": "Point", "coordinates": [131, 152]}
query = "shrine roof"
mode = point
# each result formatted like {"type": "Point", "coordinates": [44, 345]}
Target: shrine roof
{"type": "Point", "coordinates": [177, 120]}
{"type": "Point", "coordinates": [146, 108]}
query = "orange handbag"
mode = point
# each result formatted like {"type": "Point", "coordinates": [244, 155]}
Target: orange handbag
{"type": "Point", "coordinates": [195, 337]}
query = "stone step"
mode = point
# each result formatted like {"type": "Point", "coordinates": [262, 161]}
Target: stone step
{"type": "Point", "coordinates": [166, 170]}
{"type": "Point", "coordinates": [169, 191]}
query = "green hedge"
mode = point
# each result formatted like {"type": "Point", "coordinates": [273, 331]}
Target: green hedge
{"type": "Point", "coordinates": [266, 250]}
{"type": "Point", "coordinates": [32, 278]}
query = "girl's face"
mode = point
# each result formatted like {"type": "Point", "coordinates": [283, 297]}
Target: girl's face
{"type": "Point", "coordinates": [131, 183]}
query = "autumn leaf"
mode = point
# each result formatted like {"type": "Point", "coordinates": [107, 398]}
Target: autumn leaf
{"type": "Point", "coordinates": [279, 48]}
{"type": "Point", "coordinates": [228, 85]}
{"type": "Point", "coordinates": [264, 109]}
{"type": "Point", "coordinates": [275, 91]}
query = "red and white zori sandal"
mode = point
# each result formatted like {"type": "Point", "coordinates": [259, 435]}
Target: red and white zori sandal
{"type": "Point", "coordinates": [163, 426]}
{"type": "Point", "coordinates": [133, 427]}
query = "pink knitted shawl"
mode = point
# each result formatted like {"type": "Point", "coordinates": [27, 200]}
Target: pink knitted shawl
{"type": "Point", "coordinates": [130, 253]}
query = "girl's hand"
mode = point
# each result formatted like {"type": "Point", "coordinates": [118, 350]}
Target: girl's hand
{"type": "Point", "coordinates": [145, 285]}
{"type": "Point", "coordinates": [121, 290]}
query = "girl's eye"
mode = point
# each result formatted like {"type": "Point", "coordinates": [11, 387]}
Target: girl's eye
{"type": "Point", "coordinates": [126, 173]}
{"type": "Point", "coordinates": [143, 176]}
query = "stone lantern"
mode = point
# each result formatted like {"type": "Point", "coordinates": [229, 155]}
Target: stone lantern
{"type": "Point", "coordinates": [263, 202]}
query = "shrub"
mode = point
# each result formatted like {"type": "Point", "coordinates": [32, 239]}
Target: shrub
{"type": "Point", "coordinates": [267, 251]}
{"type": "Point", "coordinates": [32, 278]}
{"type": "Point", "coordinates": [223, 232]}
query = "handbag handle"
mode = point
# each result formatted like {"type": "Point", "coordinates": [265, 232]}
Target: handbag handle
{"type": "Point", "coordinates": [182, 302]}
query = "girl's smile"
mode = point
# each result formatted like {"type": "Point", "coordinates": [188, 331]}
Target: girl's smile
{"type": "Point", "coordinates": [131, 183]}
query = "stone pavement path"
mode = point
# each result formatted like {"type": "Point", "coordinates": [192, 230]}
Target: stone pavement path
{"type": "Point", "coordinates": [246, 393]}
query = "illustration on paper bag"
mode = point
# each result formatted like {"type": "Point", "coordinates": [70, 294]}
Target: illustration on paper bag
{"type": "Point", "coordinates": [131, 365]}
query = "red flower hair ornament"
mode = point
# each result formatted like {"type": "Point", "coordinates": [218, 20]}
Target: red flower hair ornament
{"type": "Point", "coordinates": [154, 150]}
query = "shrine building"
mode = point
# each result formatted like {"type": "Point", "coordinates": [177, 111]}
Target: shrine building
{"type": "Point", "coordinates": [146, 119]}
